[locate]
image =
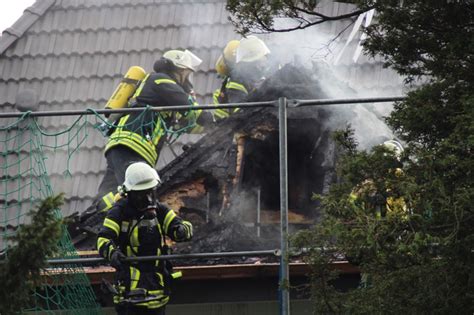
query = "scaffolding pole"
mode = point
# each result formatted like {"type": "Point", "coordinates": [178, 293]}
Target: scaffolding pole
{"type": "Point", "coordinates": [341, 101]}
{"type": "Point", "coordinates": [258, 211]}
{"type": "Point", "coordinates": [290, 103]}
{"type": "Point", "coordinates": [128, 110]}
{"type": "Point", "coordinates": [284, 269]}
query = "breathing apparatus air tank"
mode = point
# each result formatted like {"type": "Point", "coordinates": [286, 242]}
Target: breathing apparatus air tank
{"type": "Point", "coordinates": [124, 91]}
{"type": "Point", "coordinates": [120, 97]}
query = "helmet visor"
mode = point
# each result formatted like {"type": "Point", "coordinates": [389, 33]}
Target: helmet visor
{"type": "Point", "coordinates": [195, 61]}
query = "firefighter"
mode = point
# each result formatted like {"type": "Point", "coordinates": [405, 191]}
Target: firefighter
{"type": "Point", "coordinates": [383, 205]}
{"type": "Point", "coordinates": [379, 203]}
{"type": "Point", "coordinates": [393, 204]}
{"type": "Point", "coordinates": [242, 64]}
{"type": "Point", "coordinates": [140, 136]}
{"type": "Point", "coordinates": [136, 226]}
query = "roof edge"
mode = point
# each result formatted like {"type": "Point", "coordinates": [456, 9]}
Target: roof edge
{"type": "Point", "coordinates": [29, 17]}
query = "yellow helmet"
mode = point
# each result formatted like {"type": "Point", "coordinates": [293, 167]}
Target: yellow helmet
{"type": "Point", "coordinates": [227, 58]}
{"type": "Point", "coordinates": [251, 49]}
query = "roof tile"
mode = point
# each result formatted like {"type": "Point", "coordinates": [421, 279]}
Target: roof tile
{"type": "Point", "coordinates": [136, 17]}
{"type": "Point", "coordinates": [34, 68]}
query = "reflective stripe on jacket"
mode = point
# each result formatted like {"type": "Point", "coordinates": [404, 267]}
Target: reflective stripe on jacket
{"type": "Point", "coordinates": [141, 142]}
{"type": "Point", "coordinates": [143, 131]}
{"type": "Point", "coordinates": [230, 92]}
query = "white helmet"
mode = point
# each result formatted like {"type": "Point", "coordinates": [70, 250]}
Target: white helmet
{"type": "Point", "coordinates": [183, 59]}
{"type": "Point", "coordinates": [251, 49]}
{"type": "Point", "coordinates": [394, 146]}
{"type": "Point", "coordinates": [140, 176]}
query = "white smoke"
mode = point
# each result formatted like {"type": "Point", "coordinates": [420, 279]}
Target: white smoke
{"type": "Point", "coordinates": [316, 49]}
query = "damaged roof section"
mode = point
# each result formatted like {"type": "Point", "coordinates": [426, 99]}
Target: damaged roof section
{"type": "Point", "coordinates": [227, 184]}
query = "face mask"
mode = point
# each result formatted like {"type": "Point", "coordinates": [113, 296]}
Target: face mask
{"type": "Point", "coordinates": [149, 214]}
{"type": "Point", "coordinates": [143, 200]}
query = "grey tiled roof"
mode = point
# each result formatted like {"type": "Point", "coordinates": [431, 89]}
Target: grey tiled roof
{"type": "Point", "coordinates": [73, 53]}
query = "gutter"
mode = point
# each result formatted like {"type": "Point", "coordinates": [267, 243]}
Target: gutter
{"type": "Point", "coordinates": [213, 272]}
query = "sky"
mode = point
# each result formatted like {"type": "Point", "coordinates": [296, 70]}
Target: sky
{"type": "Point", "coordinates": [11, 11]}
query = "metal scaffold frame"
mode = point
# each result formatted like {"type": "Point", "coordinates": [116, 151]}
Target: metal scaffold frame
{"type": "Point", "coordinates": [282, 104]}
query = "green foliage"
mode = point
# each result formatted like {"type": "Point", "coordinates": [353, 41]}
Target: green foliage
{"type": "Point", "coordinates": [20, 274]}
{"type": "Point", "coordinates": [433, 38]}
{"type": "Point", "coordinates": [419, 260]}
{"type": "Point", "coordinates": [259, 16]}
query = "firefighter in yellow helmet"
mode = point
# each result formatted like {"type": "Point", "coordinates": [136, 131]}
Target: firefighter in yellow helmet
{"type": "Point", "coordinates": [242, 64]}
{"type": "Point", "coordinates": [136, 226]}
{"type": "Point", "coordinates": [140, 136]}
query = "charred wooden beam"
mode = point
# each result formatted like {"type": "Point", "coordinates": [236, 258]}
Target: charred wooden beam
{"type": "Point", "coordinates": [240, 142]}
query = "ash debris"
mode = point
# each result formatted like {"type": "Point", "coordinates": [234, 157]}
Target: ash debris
{"type": "Point", "coordinates": [312, 157]}
{"type": "Point", "coordinates": [232, 230]}
{"type": "Point", "coordinates": [227, 235]}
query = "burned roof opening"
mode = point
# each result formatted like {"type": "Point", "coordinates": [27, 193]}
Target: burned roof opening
{"type": "Point", "coordinates": [261, 168]}
{"type": "Point", "coordinates": [196, 200]}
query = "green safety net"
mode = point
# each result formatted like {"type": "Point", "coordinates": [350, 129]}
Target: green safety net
{"type": "Point", "coordinates": [171, 124]}
{"type": "Point", "coordinates": [25, 181]}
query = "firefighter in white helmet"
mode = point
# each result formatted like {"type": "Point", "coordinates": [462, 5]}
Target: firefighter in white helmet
{"type": "Point", "coordinates": [140, 136]}
{"type": "Point", "coordinates": [384, 202]}
{"type": "Point", "coordinates": [136, 226]}
{"type": "Point", "coordinates": [242, 66]}
{"type": "Point", "coordinates": [395, 147]}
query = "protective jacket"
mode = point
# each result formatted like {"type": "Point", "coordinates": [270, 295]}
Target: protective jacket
{"type": "Point", "coordinates": [123, 229]}
{"type": "Point", "coordinates": [144, 132]}
{"type": "Point", "coordinates": [381, 205]}
{"type": "Point", "coordinates": [230, 92]}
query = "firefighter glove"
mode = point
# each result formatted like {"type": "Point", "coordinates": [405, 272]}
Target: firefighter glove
{"type": "Point", "coordinates": [184, 232]}
{"type": "Point", "coordinates": [117, 259]}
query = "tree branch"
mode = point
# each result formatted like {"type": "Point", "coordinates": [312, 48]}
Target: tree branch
{"type": "Point", "coordinates": [332, 18]}
{"type": "Point", "coordinates": [297, 11]}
